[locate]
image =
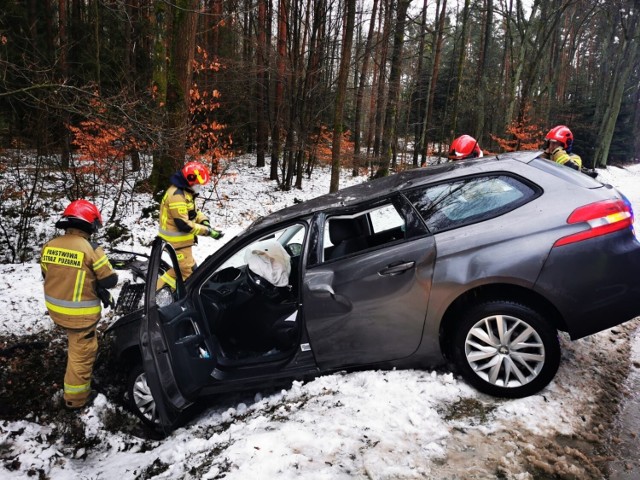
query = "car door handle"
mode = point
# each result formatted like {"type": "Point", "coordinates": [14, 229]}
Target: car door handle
{"type": "Point", "coordinates": [189, 340]}
{"type": "Point", "coordinates": [397, 268]}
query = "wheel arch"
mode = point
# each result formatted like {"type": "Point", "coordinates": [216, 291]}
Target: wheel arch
{"type": "Point", "coordinates": [129, 357]}
{"type": "Point", "coordinates": [495, 291]}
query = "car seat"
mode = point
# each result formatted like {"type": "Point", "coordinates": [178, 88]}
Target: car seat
{"type": "Point", "coordinates": [347, 236]}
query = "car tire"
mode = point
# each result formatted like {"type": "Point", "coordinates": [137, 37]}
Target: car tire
{"type": "Point", "coordinates": [506, 349]}
{"type": "Point", "coordinates": [139, 397]}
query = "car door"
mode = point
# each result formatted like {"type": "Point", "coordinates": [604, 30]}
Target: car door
{"type": "Point", "coordinates": [369, 305]}
{"type": "Point", "coordinates": [178, 351]}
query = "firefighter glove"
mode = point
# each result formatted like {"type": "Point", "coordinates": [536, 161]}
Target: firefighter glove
{"type": "Point", "coordinates": [107, 299]}
{"type": "Point", "coordinates": [216, 234]}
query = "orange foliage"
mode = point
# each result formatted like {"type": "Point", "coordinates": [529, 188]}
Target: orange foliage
{"type": "Point", "coordinates": [321, 144]}
{"type": "Point", "coordinates": [522, 134]}
{"type": "Point", "coordinates": [207, 140]}
{"type": "Point", "coordinates": [102, 147]}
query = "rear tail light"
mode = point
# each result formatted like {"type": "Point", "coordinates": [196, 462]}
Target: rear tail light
{"type": "Point", "coordinates": [600, 218]}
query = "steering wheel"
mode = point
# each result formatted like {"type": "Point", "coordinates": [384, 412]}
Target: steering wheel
{"type": "Point", "coordinates": [261, 285]}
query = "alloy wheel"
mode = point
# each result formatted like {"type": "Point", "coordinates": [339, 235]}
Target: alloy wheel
{"type": "Point", "coordinates": [505, 351]}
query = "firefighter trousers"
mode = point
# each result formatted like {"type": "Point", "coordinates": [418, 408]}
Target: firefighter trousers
{"type": "Point", "coordinates": [186, 262]}
{"type": "Point", "coordinates": [81, 355]}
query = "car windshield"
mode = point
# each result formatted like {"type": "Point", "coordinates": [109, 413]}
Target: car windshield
{"type": "Point", "coordinates": [291, 237]}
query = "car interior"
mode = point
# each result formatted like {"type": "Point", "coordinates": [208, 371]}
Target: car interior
{"type": "Point", "coordinates": [251, 303]}
{"type": "Point", "coordinates": [362, 231]}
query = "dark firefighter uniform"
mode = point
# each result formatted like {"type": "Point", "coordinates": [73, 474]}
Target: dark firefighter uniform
{"type": "Point", "coordinates": [73, 269]}
{"type": "Point", "coordinates": [180, 224]}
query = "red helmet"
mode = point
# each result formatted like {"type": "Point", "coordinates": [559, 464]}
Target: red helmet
{"type": "Point", "coordinates": [562, 135]}
{"type": "Point", "coordinates": [195, 173]}
{"type": "Point", "coordinates": [83, 211]}
{"type": "Point", "coordinates": [463, 147]}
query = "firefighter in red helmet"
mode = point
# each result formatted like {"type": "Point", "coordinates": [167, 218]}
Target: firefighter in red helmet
{"type": "Point", "coordinates": [463, 147]}
{"type": "Point", "coordinates": [77, 274]}
{"type": "Point", "coordinates": [558, 144]}
{"type": "Point", "coordinates": [181, 222]}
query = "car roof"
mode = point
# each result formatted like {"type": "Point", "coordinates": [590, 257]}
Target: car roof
{"type": "Point", "coordinates": [381, 187]}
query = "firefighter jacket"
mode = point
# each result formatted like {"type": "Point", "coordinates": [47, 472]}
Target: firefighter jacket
{"type": "Point", "coordinates": [180, 221]}
{"type": "Point", "coordinates": [73, 269]}
{"type": "Point", "coordinates": [559, 155]}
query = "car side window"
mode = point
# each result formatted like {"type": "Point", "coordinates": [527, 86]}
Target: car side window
{"type": "Point", "coordinates": [349, 234]}
{"type": "Point", "coordinates": [462, 202]}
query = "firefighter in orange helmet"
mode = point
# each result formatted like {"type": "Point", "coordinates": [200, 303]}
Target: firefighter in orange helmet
{"type": "Point", "coordinates": [463, 147]}
{"type": "Point", "coordinates": [181, 222]}
{"type": "Point", "coordinates": [76, 275]}
{"type": "Point", "coordinates": [557, 147]}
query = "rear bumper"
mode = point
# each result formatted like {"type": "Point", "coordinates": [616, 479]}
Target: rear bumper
{"type": "Point", "coordinates": [595, 284]}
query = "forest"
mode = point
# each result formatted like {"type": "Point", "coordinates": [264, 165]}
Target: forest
{"type": "Point", "coordinates": [374, 86]}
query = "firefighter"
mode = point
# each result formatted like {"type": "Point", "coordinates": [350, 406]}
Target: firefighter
{"type": "Point", "coordinates": [181, 222]}
{"type": "Point", "coordinates": [77, 274]}
{"type": "Point", "coordinates": [557, 147]}
{"type": "Point", "coordinates": [463, 147]}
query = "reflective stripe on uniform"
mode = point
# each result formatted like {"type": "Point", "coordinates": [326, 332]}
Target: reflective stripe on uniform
{"type": "Point", "coordinates": [77, 389]}
{"type": "Point", "coordinates": [169, 280]}
{"type": "Point", "coordinates": [175, 236]}
{"type": "Point", "coordinates": [77, 290]}
{"type": "Point", "coordinates": [86, 307]}
{"type": "Point", "coordinates": [101, 262]}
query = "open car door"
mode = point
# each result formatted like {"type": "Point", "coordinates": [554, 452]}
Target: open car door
{"type": "Point", "coordinates": [177, 348]}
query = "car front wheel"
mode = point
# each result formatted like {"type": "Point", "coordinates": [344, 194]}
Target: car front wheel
{"type": "Point", "coordinates": [140, 399]}
{"type": "Point", "coordinates": [506, 349]}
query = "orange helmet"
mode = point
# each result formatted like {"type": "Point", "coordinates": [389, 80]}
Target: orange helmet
{"type": "Point", "coordinates": [562, 135]}
{"type": "Point", "coordinates": [196, 173]}
{"type": "Point", "coordinates": [463, 147]}
{"type": "Point", "coordinates": [81, 214]}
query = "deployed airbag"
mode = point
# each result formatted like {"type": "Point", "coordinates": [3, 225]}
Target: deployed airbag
{"type": "Point", "coordinates": [270, 260]}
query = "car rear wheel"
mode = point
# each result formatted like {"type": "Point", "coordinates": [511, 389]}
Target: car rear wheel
{"type": "Point", "coordinates": [140, 399]}
{"type": "Point", "coordinates": [506, 349]}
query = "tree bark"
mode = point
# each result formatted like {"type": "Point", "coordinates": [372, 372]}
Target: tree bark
{"type": "Point", "coordinates": [343, 77]}
{"type": "Point", "coordinates": [391, 120]}
{"type": "Point", "coordinates": [624, 63]}
{"type": "Point", "coordinates": [278, 106]}
{"type": "Point", "coordinates": [364, 72]}
{"type": "Point", "coordinates": [434, 78]}
{"type": "Point", "coordinates": [262, 134]}
{"type": "Point", "coordinates": [181, 21]}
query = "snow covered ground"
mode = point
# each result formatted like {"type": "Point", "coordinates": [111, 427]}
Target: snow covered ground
{"type": "Point", "coordinates": [371, 424]}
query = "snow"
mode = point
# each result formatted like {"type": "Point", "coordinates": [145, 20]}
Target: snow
{"type": "Point", "coordinates": [370, 424]}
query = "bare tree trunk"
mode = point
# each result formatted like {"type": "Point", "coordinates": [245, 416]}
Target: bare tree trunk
{"type": "Point", "coordinates": [381, 97]}
{"type": "Point", "coordinates": [261, 85]}
{"type": "Point", "coordinates": [441, 14]}
{"type": "Point", "coordinates": [481, 78]}
{"type": "Point", "coordinates": [181, 18]}
{"type": "Point", "coordinates": [63, 60]}
{"type": "Point", "coordinates": [420, 91]}
{"type": "Point", "coordinates": [278, 107]}
{"type": "Point", "coordinates": [391, 120]}
{"type": "Point", "coordinates": [343, 77]}
{"type": "Point", "coordinates": [461, 59]}
{"type": "Point", "coordinates": [624, 63]}
{"type": "Point", "coordinates": [357, 127]}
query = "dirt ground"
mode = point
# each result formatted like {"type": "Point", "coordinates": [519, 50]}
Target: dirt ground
{"type": "Point", "coordinates": [32, 368]}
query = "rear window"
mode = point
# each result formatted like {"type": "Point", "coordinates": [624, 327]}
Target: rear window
{"type": "Point", "coordinates": [465, 201]}
{"type": "Point", "coordinates": [565, 173]}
